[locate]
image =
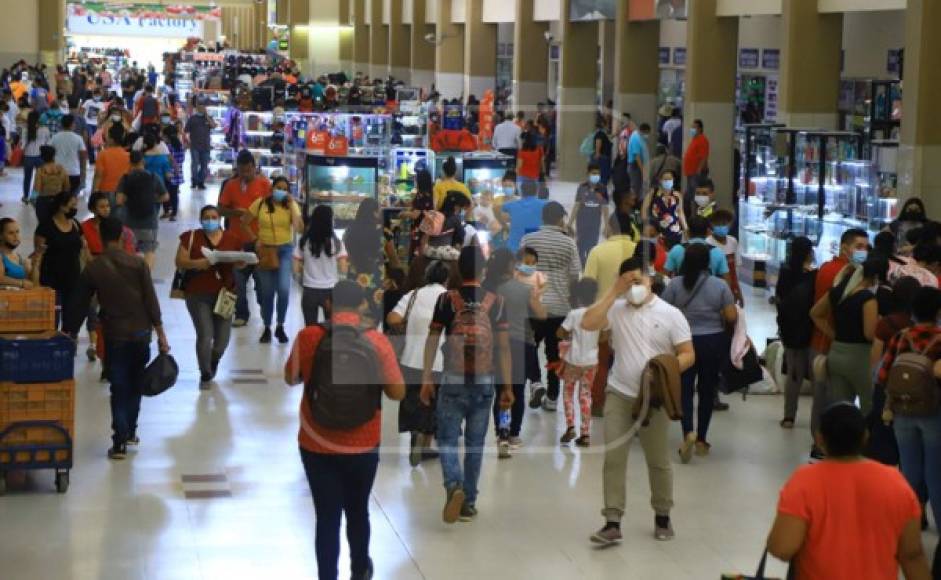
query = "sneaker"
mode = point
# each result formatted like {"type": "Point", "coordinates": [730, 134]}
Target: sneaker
{"type": "Point", "coordinates": [663, 529]}
{"type": "Point", "coordinates": [239, 323]}
{"type": "Point", "coordinates": [366, 574]}
{"type": "Point", "coordinates": [205, 382]}
{"type": "Point", "coordinates": [503, 449]}
{"type": "Point", "coordinates": [583, 441]}
{"type": "Point", "coordinates": [686, 449]}
{"type": "Point", "coordinates": [515, 442]}
{"type": "Point", "coordinates": [718, 405]}
{"type": "Point", "coordinates": [538, 392]}
{"type": "Point", "coordinates": [172, 217]}
{"type": "Point", "coordinates": [280, 335]}
{"type": "Point", "coordinates": [213, 366]}
{"type": "Point", "coordinates": [164, 215]}
{"type": "Point", "coordinates": [91, 353]}
{"type": "Point", "coordinates": [816, 454]}
{"type": "Point", "coordinates": [702, 448]}
{"type": "Point", "coordinates": [567, 436]}
{"type": "Point", "coordinates": [453, 505]}
{"type": "Point", "coordinates": [118, 452]}
{"type": "Point", "coordinates": [103, 378]}
{"type": "Point", "coordinates": [468, 512]}
{"type": "Point", "coordinates": [609, 535]}
{"type": "Point", "coordinates": [133, 441]}
{"type": "Point", "coordinates": [265, 336]}
{"type": "Point", "coordinates": [549, 405]}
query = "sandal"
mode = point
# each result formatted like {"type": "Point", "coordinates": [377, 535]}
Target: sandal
{"type": "Point", "coordinates": [787, 423]}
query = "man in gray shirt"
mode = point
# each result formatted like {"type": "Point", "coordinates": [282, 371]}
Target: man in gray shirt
{"type": "Point", "coordinates": [199, 127]}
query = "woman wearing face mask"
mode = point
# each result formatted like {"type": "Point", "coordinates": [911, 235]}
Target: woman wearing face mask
{"type": "Point", "coordinates": [665, 205]}
{"type": "Point", "coordinates": [852, 308]}
{"type": "Point", "coordinates": [912, 215]}
{"type": "Point", "coordinates": [203, 285]}
{"type": "Point", "coordinates": [60, 247]}
{"type": "Point", "coordinates": [279, 218]}
{"type": "Point", "coordinates": [15, 270]}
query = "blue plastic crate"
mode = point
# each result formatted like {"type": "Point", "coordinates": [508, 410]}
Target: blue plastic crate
{"type": "Point", "coordinates": [37, 360]}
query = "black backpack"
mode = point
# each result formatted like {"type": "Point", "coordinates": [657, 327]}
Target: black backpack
{"type": "Point", "coordinates": [141, 191]}
{"type": "Point", "coordinates": [345, 385]}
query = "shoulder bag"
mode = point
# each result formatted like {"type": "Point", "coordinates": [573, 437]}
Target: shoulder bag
{"type": "Point", "coordinates": [182, 277]}
{"type": "Point", "coordinates": [267, 254]}
{"type": "Point", "coordinates": [399, 335]}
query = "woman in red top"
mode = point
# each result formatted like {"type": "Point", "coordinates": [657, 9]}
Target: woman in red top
{"type": "Point", "coordinates": [204, 282]}
{"type": "Point", "coordinates": [341, 464]}
{"type": "Point", "coordinates": [529, 159]}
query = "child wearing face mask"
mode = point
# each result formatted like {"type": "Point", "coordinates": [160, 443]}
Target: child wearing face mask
{"type": "Point", "coordinates": [721, 220]}
{"type": "Point", "coordinates": [704, 198]}
{"type": "Point", "coordinates": [590, 211]}
{"type": "Point", "coordinates": [526, 271]}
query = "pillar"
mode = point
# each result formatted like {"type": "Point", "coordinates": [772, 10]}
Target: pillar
{"type": "Point", "coordinates": [920, 147]}
{"type": "Point", "coordinates": [51, 40]}
{"type": "Point", "coordinates": [400, 43]}
{"type": "Point", "coordinates": [346, 36]}
{"type": "Point", "coordinates": [360, 37]}
{"type": "Point", "coordinates": [260, 30]}
{"type": "Point", "coordinates": [378, 42]}
{"type": "Point", "coordinates": [324, 38]}
{"type": "Point", "coordinates": [449, 54]}
{"type": "Point", "coordinates": [711, 66]}
{"type": "Point", "coordinates": [809, 88]}
{"type": "Point", "coordinates": [422, 53]}
{"type": "Point", "coordinates": [480, 50]}
{"type": "Point", "coordinates": [530, 58]}
{"type": "Point", "coordinates": [577, 91]}
{"type": "Point", "coordinates": [636, 68]}
{"type": "Point", "coordinates": [606, 43]}
{"type": "Point", "coordinates": [299, 20]}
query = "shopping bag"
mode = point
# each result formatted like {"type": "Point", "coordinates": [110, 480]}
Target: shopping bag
{"type": "Point", "coordinates": [160, 375]}
{"type": "Point", "coordinates": [734, 379]}
{"type": "Point", "coordinates": [225, 304]}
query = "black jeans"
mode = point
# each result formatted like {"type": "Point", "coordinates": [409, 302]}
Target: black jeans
{"type": "Point", "coordinates": [703, 378]}
{"type": "Point", "coordinates": [341, 484]}
{"type": "Point", "coordinates": [75, 184]}
{"type": "Point", "coordinates": [546, 331]}
{"type": "Point", "coordinates": [173, 205]}
{"type": "Point", "coordinates": [312, 301]}
{"type": "Point", "coordinates": [126, 362]}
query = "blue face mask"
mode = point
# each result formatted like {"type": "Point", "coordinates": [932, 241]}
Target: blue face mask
{"type": "Point", "coordinates": [859, 256]}
{"type": "Point", "coordinates": [693, 131]}
{"type": "Point", "coordinates": [594, 178]}
{"type": "Point", "coordinates": [210, 225]}
{"type": "Point", "coordinates": [279, 195]}
{"type": "Point", "coordinates": [509, 190]}
{"type": "Point", "coordinates": [720, 230]}
{"type": "Point", "coordinates": [526, 269]}
{"type": "Point", "coordinates": [667, 184]}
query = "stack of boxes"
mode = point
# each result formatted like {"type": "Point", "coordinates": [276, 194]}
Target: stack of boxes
{"type": "Point", "coordinates": [36, 379]}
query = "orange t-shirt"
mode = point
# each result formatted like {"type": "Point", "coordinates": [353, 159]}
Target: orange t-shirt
{"type": "Point", "coordinates": [235, 195]}
{"type": "Point", "coordinates": [696, 151]}
{"type": "Point", "coordinates": [825, 277]}
{"type": "Point", "coordinates": [112, 163]}
{"type": "Point", "coordinates": [530, 163]}
{"type": "Point", "coordinates": [316, 438]}
{"type": "Point", "coordinates": [855, 514]}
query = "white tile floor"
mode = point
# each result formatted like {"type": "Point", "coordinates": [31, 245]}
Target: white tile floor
{"type": "Point", "coordinates": [131, 520]}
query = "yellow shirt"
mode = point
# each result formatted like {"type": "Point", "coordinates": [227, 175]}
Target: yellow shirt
{"type": "Point", "coordinates": [605, 261]}
{"type": "Point", "coordinates": [274, 229]}
{"type": "Point", "coordinates": [443, 186]}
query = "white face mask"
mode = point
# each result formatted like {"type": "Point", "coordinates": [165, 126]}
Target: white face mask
{"type": "Point", "coordinates": [637, 294]}
{"type": "Point", "coordinates": [702, 200]}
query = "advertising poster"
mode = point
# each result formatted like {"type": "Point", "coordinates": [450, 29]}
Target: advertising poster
{"type": "Point", "coordinates": [585, 10]}
{"type": "Point", "coordinates": [657, 10]}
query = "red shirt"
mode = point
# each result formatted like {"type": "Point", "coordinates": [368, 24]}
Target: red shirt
{"type": "Point", "coordinates": [696, 152]}
{"type": "Point", "coordinates": [93, 238]}
{"type": "Point", "coordinates": [315, 438]}
{"type": "Point", "coordinates": [236, 195]}
{"type": "Point", "coordinates": [826, 274]}
{"type": "Point", "coordinates": [217, 277]}
{"type": "Point", "coordinates": [530, 163]}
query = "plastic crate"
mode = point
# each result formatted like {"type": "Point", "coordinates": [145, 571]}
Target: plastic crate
{"type": "Point", "coordinates": [37, 402]}
{"type": "Point", "coordinates": [46, 358]}
{"type": "Point", "coordinates": [31, 310]}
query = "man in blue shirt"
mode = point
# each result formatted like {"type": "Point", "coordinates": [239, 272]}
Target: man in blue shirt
{"type": "Point", "coordinates": [698, 230]}
{"type": "Point", "coordinates": [637, 157]}
{"type": "Point", "coordinates": [524, 215]}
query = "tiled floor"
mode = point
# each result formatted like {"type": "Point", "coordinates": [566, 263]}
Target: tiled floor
{"type": "Point", "coordinates": [217, 491]}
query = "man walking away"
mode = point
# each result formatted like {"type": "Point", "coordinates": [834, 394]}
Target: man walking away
{"type": "Point", "coordinates": [130, 312]}
{"type": "Point", "coordinates": [71, 153]}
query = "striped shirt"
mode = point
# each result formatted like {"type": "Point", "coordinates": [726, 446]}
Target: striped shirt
{"type": "Point", "coordinates": [558, 259]}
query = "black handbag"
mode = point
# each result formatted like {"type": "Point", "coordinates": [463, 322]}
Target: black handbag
{"type": "Point", "coordinates": [760, 573]}
{"type": "Point", "coordinates": [182, 277]}
{"type": "Point", "coordinates": [734, 379]}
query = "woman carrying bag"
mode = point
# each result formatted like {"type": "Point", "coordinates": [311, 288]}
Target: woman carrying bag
{"type": "Point", "coordinates": [279, 218]}
{"type": "Point", "coordinates": [208, 288]}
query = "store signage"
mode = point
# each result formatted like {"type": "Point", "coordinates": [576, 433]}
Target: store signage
{"type": "Point", "coordinates": [771, 59]}
{"type": "Point", "coordinates": [771, 98]}
{"type": "Point", "coordinates": [892, 62]}
{"type": "Point", "coordinates": [587, 10]}
{"type": "Point", "coordinates": [152, 20]}
{"type": "Point", "coordinates": [664, 55]}
{"type": "Point", "coordinates": [748, 58]}
{"type": "Point", "coordinates": [679, 56]}
{"type": "Point", "coordinates": [638, 10]}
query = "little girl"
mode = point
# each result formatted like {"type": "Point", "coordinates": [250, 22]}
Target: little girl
{"type": "Point", "coordinates": [526, 271]}
{"type": "Point", "coordinates": [579, 361]}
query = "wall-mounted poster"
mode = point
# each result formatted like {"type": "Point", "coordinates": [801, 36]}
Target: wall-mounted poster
{"type": "Point", "coordinates": [664, 55]}
{"type": "Point", "coordinates": [892, 63]}
{"type": "Point", "coordinates": [679, 56]}
{"type": "Point", "coordinates": [771, 59]}
{"type": "Point", "coordinates": [586, 10]}
{"type": "Point", "coordinates": [656, 10]}
{"type": "Point", "coordinates": [748, 58]}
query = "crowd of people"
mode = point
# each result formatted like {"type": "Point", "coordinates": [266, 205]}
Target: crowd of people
{"type": "Point", "coordinates": [631, 297]}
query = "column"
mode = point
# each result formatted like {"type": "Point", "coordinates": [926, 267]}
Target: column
{"type": "Point", "coordinates": [636, 68]}
{"type": "Point", "coordinates": [711, 53]}
{"type": "Point", "coordinates": [260, 25]}
{"type": "Point", "coordinates": [360, 37]}
{"type": "Point", "coordinates": [346, 36]}
{"type": "Point", "coordinates": [378, 42]}
{"type": "Point", "coordinates": [325, 38]}
{"type": "Point", "coordinates": [422, 53]}
{"type": "Point", "coordinates": [919, 169]}
{"type": "Point", "coordinates": [530, 58]}
{"type": "Point", "coordinates": [480, 50]}
{"type": "Point", "coordinates": [51, 40]}
{"type": "Point", "coordinates": [449, 54]}
{"type": "Point", "coordinates": [299, 20]}
{"type": "Point", "coordinates": [809, 88]}
{"type": "Point", "coordinates": [400, 43]}
{"type": "Point", "coordinates": [607, 52]}
{"type": "Point", "coordinates": [577, 90]}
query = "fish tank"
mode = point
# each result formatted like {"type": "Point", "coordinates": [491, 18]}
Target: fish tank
{"type": "Point", "coordinates": [484, 171]}
{"type": "Point", "coordinates": [401, 165]}
{"type": "Point", "coordinates": [341, 182]}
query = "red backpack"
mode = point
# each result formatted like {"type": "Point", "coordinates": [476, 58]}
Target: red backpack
{"type": "Point", "coordinates": [470, 343]}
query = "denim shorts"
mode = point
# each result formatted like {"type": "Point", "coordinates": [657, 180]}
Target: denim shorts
{"type": "Point", "coordinates": [146, 239]}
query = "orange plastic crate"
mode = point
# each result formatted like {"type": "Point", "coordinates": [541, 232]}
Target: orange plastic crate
{"type": "Point", "coordinates": [37, 402]}
{"type": "Point", "coordinates": [31, 310]}
{"type": "Point", "coordinates": [35, 436]}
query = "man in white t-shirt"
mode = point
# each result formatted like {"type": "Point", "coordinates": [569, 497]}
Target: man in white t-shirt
{"type": "Point", "coordinates": [506, 137]}
{"type": "Point", "coordinates": [642, 327]}
{"type": "Point", "coordinates": [71, 153]}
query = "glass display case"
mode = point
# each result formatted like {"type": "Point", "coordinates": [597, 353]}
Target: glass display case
{"type": "Point", "coordinates": [399, 175]}
{"type": "Point", "coordinates": [409, 123]}
{"type": "Point", "coordinates": [221, 156]}
{"type": "Point", "coordinates": [258, 130]}
{"type": "Point", "coordinates": [758, 171]}
{"type": "Point", "coordinates": [342, 182]}
{"type": "Point", "coordinates": [484, 171]}
{"type": "Point", "coordinates": [884, 205]}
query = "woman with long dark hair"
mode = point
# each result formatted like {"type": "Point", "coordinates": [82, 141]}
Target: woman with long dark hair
{"type": "Point", "coordinates": [35, 137]}
{"type": "Point", "coordinates": [422, 201]}
{"type": "Point", "coordinates": [60, 246]}
{"type": "Point", "coordinates": [321, 257]}
{"type": "Point", "coordinates": [364, 248]}
{"type": "Point", "coordinates": [709, 307]}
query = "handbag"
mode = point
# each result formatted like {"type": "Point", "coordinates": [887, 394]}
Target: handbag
{"type": "Point", "coordinates": [225, 304]}
{"type": "Point", "coordinates": [397, 337]}
{"type": "Point", "coordinates": [267, 255]}
{"type": "Point", "coordinates": [182, 277]}
{"type": "Point", "coordinates": [734, 379]}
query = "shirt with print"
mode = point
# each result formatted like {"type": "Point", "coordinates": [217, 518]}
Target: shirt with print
{"type": "Point", "coordinates": [558, 259]}
{"type": "Point", "coordinates": [444, 314]}
{"type": "Point", "coordinates": [920, 335]}
{"type": "Point", "coordinates": [594, 198]}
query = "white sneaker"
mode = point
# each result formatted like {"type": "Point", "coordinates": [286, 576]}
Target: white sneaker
{"type": "Point", "coordinates": [515, 443]}
{"type": "Point", "coordinates": [549, 405]}
{"type": "Point", "coordinates": [537, 392]}
{"type": "Point", "coordinates": [503, 448]}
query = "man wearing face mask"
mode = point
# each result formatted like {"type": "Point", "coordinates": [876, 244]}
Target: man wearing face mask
{"type": "Point", "coordinates": [591, 210]}
{"type": "Point", "coordinates": [642, 326]}
{"type": "Point", "coordinates": [695, 161]}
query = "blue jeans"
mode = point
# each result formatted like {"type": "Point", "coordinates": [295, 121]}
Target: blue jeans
{"type": "Point", "coordinates": [126, 362]}
{"type": "Point", "coordinates": [604, 164]}
{"type": "Point", "coordinates": [469, 404]}
{"type": "Point", "coordinates": [199, 166]}
{"type": "Point", "coordinates": [711, 350]}
{"type": "Point", "coordinates": [341, 484]}
{"type": "Point", "coordinates": [275, 281]}
{"type": "Point", "coordinates": [919, 440]}
{"type": "Point", "coordinates": [30, 164]}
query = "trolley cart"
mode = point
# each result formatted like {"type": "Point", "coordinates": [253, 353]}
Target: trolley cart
{"type": "Point", "coordinates": [29, 456]}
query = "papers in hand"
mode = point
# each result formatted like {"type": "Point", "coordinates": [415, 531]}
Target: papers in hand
{"type": "Point", "coordinates": [227, 257]}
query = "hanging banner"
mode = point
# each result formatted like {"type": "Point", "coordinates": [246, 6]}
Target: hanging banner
{"type": "Point", "coordinates": [485, 132]}
{"type": "Point", "coordinates": [151, 20]}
